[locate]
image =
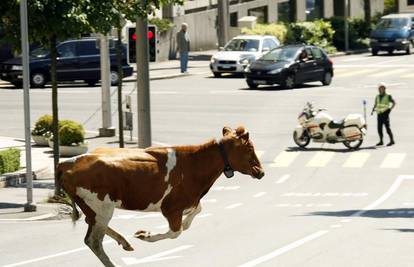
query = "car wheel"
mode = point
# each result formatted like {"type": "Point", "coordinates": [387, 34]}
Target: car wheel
{"type": "Point", "coordinates": [409, 48]}
{"type": "Point", "coordinates": [38, 80]}
{"type": "Point", "coordinates": [217, 74]}
{"type": "Point", "coordinates": [251, 85]}
{"type": "Point", "coordinates": [289, 82]}
{"type": "Point", "coordinates": [327, 78]}
{"type": "Point", "coordinates": [114, 77]}
{"type": "Point", "coordinates": [17, 84]}
{"type": "Point", "coordinates": [374, 52]}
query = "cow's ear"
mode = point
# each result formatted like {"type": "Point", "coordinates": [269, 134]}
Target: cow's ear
{"type": "Point", "coordinates": [226, 130]}
{"type": "Point", "coordinates": [245, 137]}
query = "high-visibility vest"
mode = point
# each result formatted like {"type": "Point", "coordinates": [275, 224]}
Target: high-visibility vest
{"type": "Point", "coordinates": [382, 104]}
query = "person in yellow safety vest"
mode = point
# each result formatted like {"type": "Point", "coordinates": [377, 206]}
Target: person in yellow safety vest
{"type": "Point", "coordinates": [384, 103]}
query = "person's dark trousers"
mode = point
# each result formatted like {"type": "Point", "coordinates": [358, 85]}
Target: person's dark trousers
{"type": "Point", "coordinates": [384, 119]}
{"type": "Point", "coordinates": [183, 61]}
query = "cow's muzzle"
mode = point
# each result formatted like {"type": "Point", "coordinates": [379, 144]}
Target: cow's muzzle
{"type": "Point", "coordinates": [258, 172]}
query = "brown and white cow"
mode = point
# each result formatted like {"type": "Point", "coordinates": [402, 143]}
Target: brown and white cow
{"type": "Point", "coordinates": [171, 180]}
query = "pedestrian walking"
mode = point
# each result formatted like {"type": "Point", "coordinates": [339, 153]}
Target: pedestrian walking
{"type": "Point", "coordinates": [384, 103]}
{"type": "Point", "coordinates": [183, 46]}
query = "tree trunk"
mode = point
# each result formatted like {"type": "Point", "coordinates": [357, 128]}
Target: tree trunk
{"type": "Point", "coordinates": [367, 10]}
{"type": "Point", "coordinates": [53, 55]}
{"type": "Point", "coordinates": [120, 75]}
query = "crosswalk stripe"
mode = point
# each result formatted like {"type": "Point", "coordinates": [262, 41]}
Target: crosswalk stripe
{"type": "Point", "coordinates": [393, 160]}
{"type": "Point", "coordinates": [284, 159]}
{"type": "Point", "coordinates": [356, 160]}
{"type": "Point", "coordinates": [386, 73]}
{"type": "Point", "coordinates": [355, 72]}
{"type": "Point", "coordinates": [320, 159]}
{"type": "Point", "coordinates": [410, 75]}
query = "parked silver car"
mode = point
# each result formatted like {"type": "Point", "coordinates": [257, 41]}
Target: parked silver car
{"type": "Point", "coordinates": [241, 51]}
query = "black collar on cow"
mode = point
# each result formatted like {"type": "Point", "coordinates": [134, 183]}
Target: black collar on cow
{"type": "Point", "coordinates": [228, 170]}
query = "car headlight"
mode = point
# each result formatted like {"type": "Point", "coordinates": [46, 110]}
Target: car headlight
{"type": "Point", "coordinates": [17, 67]}
{"type": "Point", "coordinates": [212, 60]}
{"type": "Point", "coordinates": [275, 71]}
{"type": "Point", "coordinates": [401, 40]}
{"type": "Point", "coordinates": [244, 61]}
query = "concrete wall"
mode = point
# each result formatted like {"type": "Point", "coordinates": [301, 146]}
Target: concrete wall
{"type": "Point", "coordinates": [403, 7]}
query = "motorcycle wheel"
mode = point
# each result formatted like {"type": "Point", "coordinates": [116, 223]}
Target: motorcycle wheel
{"type": "Point", "coordinates": [353, 144]}
{"type": "Point", "coordinates": [301, 141]}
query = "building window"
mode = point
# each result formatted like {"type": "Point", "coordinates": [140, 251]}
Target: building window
{"type": "Point", "coordinates": [283, 11]}
{"type": "Point", "coordinates": [339, 8]}
{"type": "Point", "coordinates": [314, 9]}
{"type": "Point", "coordinates": [260, 13]}
{"type": "Point", "coordinates": [233, 19]}
{"type": "Point", "coordinates": [410, 2]}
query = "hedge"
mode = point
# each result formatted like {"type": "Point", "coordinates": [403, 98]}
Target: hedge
{"type": "Point", "coordinates": [9, 160]}
{"type": "Point", "coordinates": [43, 125]}
{"type": "Point", "coordinates": [71, 133]}
{"type": "Point", "coordinates": [279, 30]}
{"type": "Point", "coordinates": [359, 31]}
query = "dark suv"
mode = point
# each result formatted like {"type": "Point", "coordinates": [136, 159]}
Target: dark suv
{"type": "Point", "coordinates": [77, 60]}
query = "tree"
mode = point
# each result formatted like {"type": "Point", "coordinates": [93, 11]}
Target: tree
{"type": "Point", "coordinates": [367, 11]}
{"type": "Point", "coordinates": [292, 11]}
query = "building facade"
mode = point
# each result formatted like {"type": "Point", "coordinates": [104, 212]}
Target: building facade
{"type": "Point", "coordinates": [201, 15]}
{"type": "Point", "coordinates": [406, 6]}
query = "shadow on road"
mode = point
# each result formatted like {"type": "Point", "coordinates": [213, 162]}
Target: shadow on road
{"type": "Point", "coordinates": [5, 205]}
{"type": "Point", "coordinates": [279, 88]}
{"type": "Point", "coordinates": [339, 150]}
{"type": "Point", "coordinates": [380, 213]}
{"type": "Point", "coordinates": [402, 230]}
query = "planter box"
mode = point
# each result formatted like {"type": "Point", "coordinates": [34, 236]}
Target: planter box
{"type": "Point", "coordinates": [40, 140]}
{"type": "Point", "coordinates": [70, 151]}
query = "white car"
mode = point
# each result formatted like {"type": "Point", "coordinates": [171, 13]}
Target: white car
{"type": "Point", "coordinates": [241, 51]}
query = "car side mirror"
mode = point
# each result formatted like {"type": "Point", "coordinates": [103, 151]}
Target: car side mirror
{"type": "Point", "coordinates": [221, 48]}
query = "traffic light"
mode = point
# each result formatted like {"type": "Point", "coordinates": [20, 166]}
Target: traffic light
{"type": "Point", "coordinates": [152, 43]}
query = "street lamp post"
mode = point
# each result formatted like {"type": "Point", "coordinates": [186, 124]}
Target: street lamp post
{"type": "Point", "coordinates": [346, 26]}
{"type": "Point", "coordinates": [29, 206]}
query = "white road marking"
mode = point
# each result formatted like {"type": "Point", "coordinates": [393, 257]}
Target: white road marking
{"type": "Point", "coordinates": [208, 200]}
{"type": "Point", "coordinates": [346, 220]}
{"type": "Point", "coordinates": [204, 215]}
{"type": "Point", "coordinates": [385, 196]}
{"type": "Point", "coordinates": [260, 194]}
{"type": "Point", "coordinates": [411, 75]}
{"type": "Point", "coordinates": [54, 255]}
{"type": "Point", "coordinates": [356, 160]}
{"type": "Point", "coordinates": [320, 159]}
{"type": "Point", "coordinates": [336, 226]}
{"type": "Point", "coordinates": [156, 257]}
{"type": "Point", "coordinates": [393, 160]}
{"type": "Point", "coordinates": [387, 73]}
{"type": "Point", "coordinates": [225, 188]}
{"type": "Point", "coordinates": [283, 179]}
{"type": "Point", "coordinates": [284, 159]}
{"type": "Point", "coordinates": [298, 205]}
{"type": "Point", "coordinates": [284, 249]}
{"type": "Point", "coordinates": [235, 205]}
{"type": "Point", "coordinates": [355, 72]}
{"type": "Point", "coordinates": [329, 194]}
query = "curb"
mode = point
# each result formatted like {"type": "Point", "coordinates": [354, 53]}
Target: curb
{"type": "Point", "coordinates": [13, 179]}
{"type": "Point", "coordinates": [352, 52]}
{"type": "Point", "coordinates": [171, 76]}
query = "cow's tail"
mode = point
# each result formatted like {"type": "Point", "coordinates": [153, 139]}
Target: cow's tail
{"type": "Point", "coordinates": [64, 167]}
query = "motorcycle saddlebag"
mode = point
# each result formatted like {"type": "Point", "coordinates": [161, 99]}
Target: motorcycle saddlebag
{"type": "Point", "coordinates": [351, 133]}
{"type": "Point", "coordinates": [354, 119]}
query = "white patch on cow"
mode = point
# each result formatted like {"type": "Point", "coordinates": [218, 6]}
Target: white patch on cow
{"type": "Point", "coordinates": [171, 162]}
{"type": "Point", "coordinates": [104, 209]}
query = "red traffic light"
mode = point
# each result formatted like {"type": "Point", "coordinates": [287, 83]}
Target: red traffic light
{"type": "Point", "coordinates": [150, 35]}
{"type": "Point", "coordinates": [134, 36]}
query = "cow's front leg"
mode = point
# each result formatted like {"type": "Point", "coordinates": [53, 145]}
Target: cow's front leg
{"type": "Point", "coordinates": [190, 216]}
{"type": "Point", "coordinates": [174, 221]}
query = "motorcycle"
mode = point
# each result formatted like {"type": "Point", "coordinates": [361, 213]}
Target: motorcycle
{"type": "Point", "coordinates": [320, 127]}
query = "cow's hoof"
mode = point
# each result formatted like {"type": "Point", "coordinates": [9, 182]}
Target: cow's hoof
{"type": "Point", "coordinates": [128, 248]}
{"type": "Point", "coordinates": [143, 235]}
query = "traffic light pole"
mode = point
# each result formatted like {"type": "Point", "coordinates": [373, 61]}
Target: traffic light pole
{"type": "Point", "coordinates": [143, 85]}
{"type": "Point", "coordinates": [223, 22]}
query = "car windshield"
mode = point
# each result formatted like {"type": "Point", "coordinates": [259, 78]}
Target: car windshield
{"type": "Point", "coordinates": [392, 23]}
{"type": "Point", "coordinates": [281, 54]}
{"type": "Point", "coordinates": [39, 52]}
{"type": "Point", "coordinates": [242, 45]}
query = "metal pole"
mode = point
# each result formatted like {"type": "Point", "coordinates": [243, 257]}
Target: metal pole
{"type": "Point", "coordinates": [107, 128]}
{"type": "Point", "coordinates": [29, 206]}
{"type": "Point", "coordinates": [223, 22]}
{"type": "Point", "coordinates": [143, 85]}
{"type": "Point", "coordinates": [346, 30]}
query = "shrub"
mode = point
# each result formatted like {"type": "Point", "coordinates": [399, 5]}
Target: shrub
{"type": "Point", "coordinates": [43, 125]}
{"type": "Point", "coordinates": [317, 32]}
{"type": "Point", "coordinates": [359, 31]}
{"type": "Point", "coordinates": [163, 25]}
{"type": "Point", "coordinates": [279, 30]}
{"type": "Point", "coordinates": [71, 133]}
{"type": "Point", "coordinates": [9, 160]}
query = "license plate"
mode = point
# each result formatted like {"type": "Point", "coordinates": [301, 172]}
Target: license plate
{"type": "Point", "coordinates": [259, 82]}
{"type": "Point", "coordinates": [226, 67]}
{"type": "Point", "coordinates": [385, 44]}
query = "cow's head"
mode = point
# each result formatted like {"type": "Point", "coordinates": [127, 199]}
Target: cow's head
{"type": "Point", "coordinates": [240, 151]}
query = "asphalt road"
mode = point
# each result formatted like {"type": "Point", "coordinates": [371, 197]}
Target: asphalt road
{"type": "Point", "coordinates": [324, 206]}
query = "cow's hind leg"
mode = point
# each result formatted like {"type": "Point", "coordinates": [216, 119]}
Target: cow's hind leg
{"type": "Point", "coordinates": [119, 238]}
{"type": "Point", "coordinates": [93, 240]}
{"type": "Point", "coordinates": [190, 216]}
{"type": "Point", "coordinates": [174, 221]}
